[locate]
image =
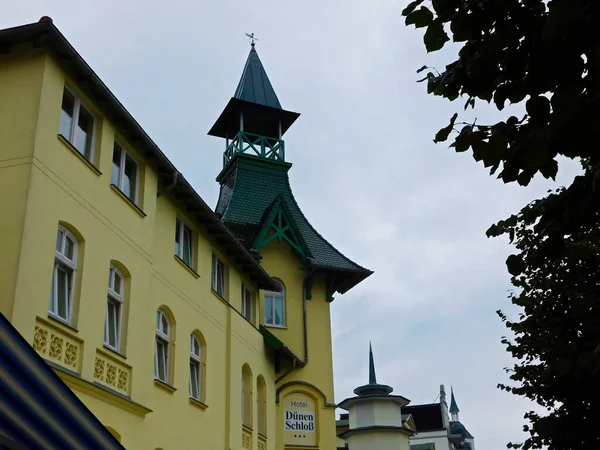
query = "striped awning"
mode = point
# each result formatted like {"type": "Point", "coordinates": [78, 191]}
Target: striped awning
{"type": "Point", "coordinates": [38, 410]}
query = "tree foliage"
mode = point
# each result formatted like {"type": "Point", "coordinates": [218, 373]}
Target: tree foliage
{"type": "Point", "coordinates": [546, 54]}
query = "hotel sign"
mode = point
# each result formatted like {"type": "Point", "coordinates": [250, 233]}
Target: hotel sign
{"type": "Point", "coordinates": [299, 420]}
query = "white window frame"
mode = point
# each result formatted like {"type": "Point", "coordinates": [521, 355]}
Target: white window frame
{"type": "Point", "coordinates": [119, 185]}
{"type": "Point", "coordinates": [276, 296]}
{"type": "Point", "coordinates": [165, 337]}
{"type": "Point", "coordinates": [61, 260]}
{"type": "Point", "coordinates": [196, 360]}
{"type": "Point", "coordinates": [76, 109]}
{"type": "Point", "coordinates": [117, 299]}
{"type": "Point", "coordinates": [216, 262]}
{"type": "Point", "coordinates": [181, 226]}
{"type": "Point", "coordinates": [247, 304]}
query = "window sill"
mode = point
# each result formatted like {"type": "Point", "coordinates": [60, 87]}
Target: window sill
{"type": "Point", "coordinates": [164, 386]}
{"type": "Point", "coordinates": [71, 147]}
{"type": "Point", "coordinates": [62, 323]}
{"type": "Point", "coordinates": [247, 428]}
{"type": "Point", "coordinates": [184, 264]}
{"type": "Point", "coordinates": [216, 294]}
{"type": "Point", "coordinates": [262, 436]}
{"type": "Point", "coordinates": [113, 351]}
{"type": "Point", "coordinates": [198, 404]}
{"type": "Point", "coordinates": [127, 200]}
{"type": "Point", "coordinates": [280, 327]}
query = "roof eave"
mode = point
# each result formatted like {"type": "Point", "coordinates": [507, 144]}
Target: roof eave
{"type": "Point", "coordinates": [398, 399]}
{"type": "Point", "coordinates": [391, 428]}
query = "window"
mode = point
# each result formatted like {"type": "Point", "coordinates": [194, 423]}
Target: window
{"type": "Point", "coordinates": [77, 125]}
{"type": "Point", "coordinates": [218, 276]}
{"type": "Point", "coordinates": [195, 368]}
{"type": "Point", "coordinates": [246, 396]}
{"type": "Point", "coordinates": [262, 405]}
{"type": "Point", "coordinates": [275, 307]}
{"type": "Point", "coordinates": [161, 353]}
{"type": "Point", "coordinates": [63, 277]}
{"type": "Point", "coordinates": [184, 243]}
{"type": "Point", "coordinates": [247, 304]}
{"type": "Point", "coordinates": [125, 173]}
{"type": "Point", "coordinates": [114, 309]}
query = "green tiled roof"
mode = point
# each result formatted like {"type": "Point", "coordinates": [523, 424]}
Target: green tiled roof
{"type": "Point", "coordinates": [249, 186]}
{"type": "Point", "coordinates": [254, 86]}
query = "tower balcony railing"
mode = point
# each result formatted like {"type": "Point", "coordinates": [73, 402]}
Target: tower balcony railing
{"type": "Point", "coordinates": [254, 144]}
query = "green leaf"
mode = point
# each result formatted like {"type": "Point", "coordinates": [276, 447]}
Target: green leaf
{"type": "Point", "coordinates": [538, 107]}
{"type": "Point", "coordinates": [463, 140]}
{"type": "Point", "coordinates": [515, 265]}
{"type": "Point", "coordinates": [435, 36]}
{"type": "Point", "coordinates": [550, 169]}
{"type": "Point", "coordinates": [443, 134]}
{"type": "Point", "coordinates": [464, 28]}
{"type": "Point", "coordinates": [422, 69]}
{"type": "Point", "coordinates": [420, 18]}
{"type": "Point", "coordinates": [411, 7]}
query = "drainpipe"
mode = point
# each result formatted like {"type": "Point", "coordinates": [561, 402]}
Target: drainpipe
{"type": "Point", "coordinates": [299, 363]}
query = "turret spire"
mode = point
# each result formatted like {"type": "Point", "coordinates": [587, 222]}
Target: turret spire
{"type": "Point", "coordinates": [453, 406]}
{"type": "Point", "coordinates": [373, 388]}
{"type": "Point", "coordinates": [372, 377]}
{"type": "Point", "coordinates": [254, 85]}
{"type": "Point", "coordinates": [253, 122]}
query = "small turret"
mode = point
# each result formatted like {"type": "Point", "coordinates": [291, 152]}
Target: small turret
{"type": "Point", "coordinates": [453, 406]}
{"type": "Point", "coordinates": [375, 416]}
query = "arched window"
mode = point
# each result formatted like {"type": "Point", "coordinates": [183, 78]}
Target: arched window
{"type": "Point", "coordinates": [196, 367]}
{"type": "Point", "coordinates": [275, 307]}
{"type": "Point", "coordinates": [246, 396]}
{"type": "Point", "coordinates": [114, 309]}
{"type": "Point", "coordinates": [162, 352]}
{"type": "Point", "coordinates": [262, 405]}
{"type": "Point", "coordinates": [63, 277]}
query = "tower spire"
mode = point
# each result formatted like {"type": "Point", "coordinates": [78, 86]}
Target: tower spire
{"type": "Point", "coordinates": [453, 406]}
{"type": "Point", "coordinates": [373, 388]}
{"type": "Point", "coordinates": [372, 377]}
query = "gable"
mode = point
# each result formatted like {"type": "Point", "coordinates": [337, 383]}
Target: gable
{"type": "Point", "coordinates": [278, 225]}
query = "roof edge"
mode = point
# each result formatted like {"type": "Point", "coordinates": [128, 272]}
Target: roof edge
{"type": "Point", "coordinates": [56, 42]}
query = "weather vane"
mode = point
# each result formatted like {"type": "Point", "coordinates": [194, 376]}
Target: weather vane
{"type": "Point", "coordinates": [252, 39]}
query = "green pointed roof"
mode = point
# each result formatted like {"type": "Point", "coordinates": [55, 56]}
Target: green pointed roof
{"type": "Point", "coordinates": [249, 187]}
{"type": "Point", "coordinates": [254, 86]}
{"type": "Point", "coordinates": [453, 405]}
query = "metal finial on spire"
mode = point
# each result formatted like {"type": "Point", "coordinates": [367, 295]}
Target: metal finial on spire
{"type": "Point", "coordinates": [252, 38]}
{"type": "Point", "coordinates": [372, 377]}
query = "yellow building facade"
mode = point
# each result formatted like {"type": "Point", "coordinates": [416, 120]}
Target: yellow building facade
{"type": "Point", "coordinates": [176, 327]}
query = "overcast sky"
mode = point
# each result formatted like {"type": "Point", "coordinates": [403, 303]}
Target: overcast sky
{"type": "Point", "coordinates": [366, 171]}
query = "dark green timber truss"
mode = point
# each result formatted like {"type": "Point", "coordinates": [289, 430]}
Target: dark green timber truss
{"type": "Point", "coordinates": [279, 226]}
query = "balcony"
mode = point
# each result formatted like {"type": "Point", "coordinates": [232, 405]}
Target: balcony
{"type": "Point", "coordinates": [254, 144]}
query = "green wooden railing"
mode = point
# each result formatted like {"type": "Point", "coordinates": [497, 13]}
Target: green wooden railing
{"type": "Point", "coordinates": [265, 147]}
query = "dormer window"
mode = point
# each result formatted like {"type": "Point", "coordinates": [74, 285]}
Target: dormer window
{"type": "Point", "coordinates": [275, 307]}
